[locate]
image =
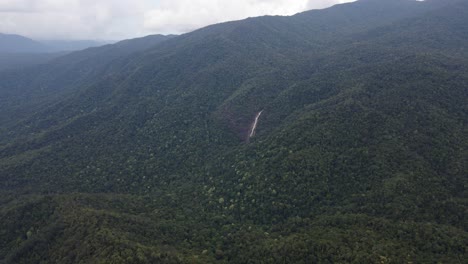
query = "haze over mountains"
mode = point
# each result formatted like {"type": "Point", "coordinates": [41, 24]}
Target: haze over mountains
{"type": "Point", "coordinates": [19, 44]}
{"type": "Point", "coordinates": [143, 151]}
{"type": "Point", "coordinates": [11, 43]}
{"type": "Point", "coordinates": [17, 51]}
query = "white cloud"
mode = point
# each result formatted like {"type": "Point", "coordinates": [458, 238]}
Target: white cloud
{"type": "Point", "coordinates": [318, 4]}
{"type": "Point", "coordinates": [117, 19]}
{"type": "Point", "coordinates": [73, 19]}
{"type": "Point", "coordinates": [184, 15]}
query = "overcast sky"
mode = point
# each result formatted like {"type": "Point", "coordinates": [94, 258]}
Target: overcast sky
{"type": "Point", "coordinates": [121, 19]}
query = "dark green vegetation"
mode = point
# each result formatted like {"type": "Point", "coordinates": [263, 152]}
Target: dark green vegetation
{"type": "Point", "coordinates": [136, 153]}
{"type": "Point", "coordinates": [11, 61]}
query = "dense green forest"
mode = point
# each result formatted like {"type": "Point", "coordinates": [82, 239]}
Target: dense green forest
{"type": "Point", "coordinates": [140, 151]}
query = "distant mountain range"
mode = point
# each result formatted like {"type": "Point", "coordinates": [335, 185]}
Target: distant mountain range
{"type": "Point", "coordinates": [18, 51]}
{"type": "Point", "coordinates": [18, 44]}
{"type": "Point", "coordinates": [72, 45]}
{"type": "Point", "coordinates": [10, 43]}
{"type": "Point", "coordinates": [331, 136]}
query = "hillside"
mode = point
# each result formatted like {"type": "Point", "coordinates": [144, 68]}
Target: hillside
{"type": "Point", "coordinates": [19, 52]}
{"type": "Point", "coordinates": [24, 91]}
{"type": "Point", "coordinates": [140, 152]}
{"type": "Point", "coordinates": [13, 61]}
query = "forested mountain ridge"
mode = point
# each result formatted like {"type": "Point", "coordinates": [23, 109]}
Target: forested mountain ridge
{"type": "Point", "coordinates": [360, 154]}
{"type": "Point", "coordinates": [11, 61]}
{"type": "Point", "coordinates": [17, 52]}
{"type": "Point", "coordinates": [22, 91]}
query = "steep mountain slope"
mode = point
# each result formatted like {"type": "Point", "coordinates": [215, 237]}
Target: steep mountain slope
{"type": "Point", "coordinates": [23, 92]}
{"type": "Point", "coordinates": [360, 154]}
{"type": "Point", "coordinates": [9, 61]}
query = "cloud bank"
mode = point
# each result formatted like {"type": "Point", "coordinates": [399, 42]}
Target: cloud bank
{"type": "Point", "coordinates": [118, 19]}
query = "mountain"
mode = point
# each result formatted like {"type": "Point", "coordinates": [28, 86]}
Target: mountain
{"type": "Point", "coordinates": [332, 136]}
{"type": "Point", "coordinates": [11, 61]}
{"type": "Point", "coordinates": [38, 87]}
{"type": "Point", "coordinates": [18, 52]}
{"type": "Point", "coordinates": [72, 45]}
{"type": "Point", "coordinates": [10, 43]}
